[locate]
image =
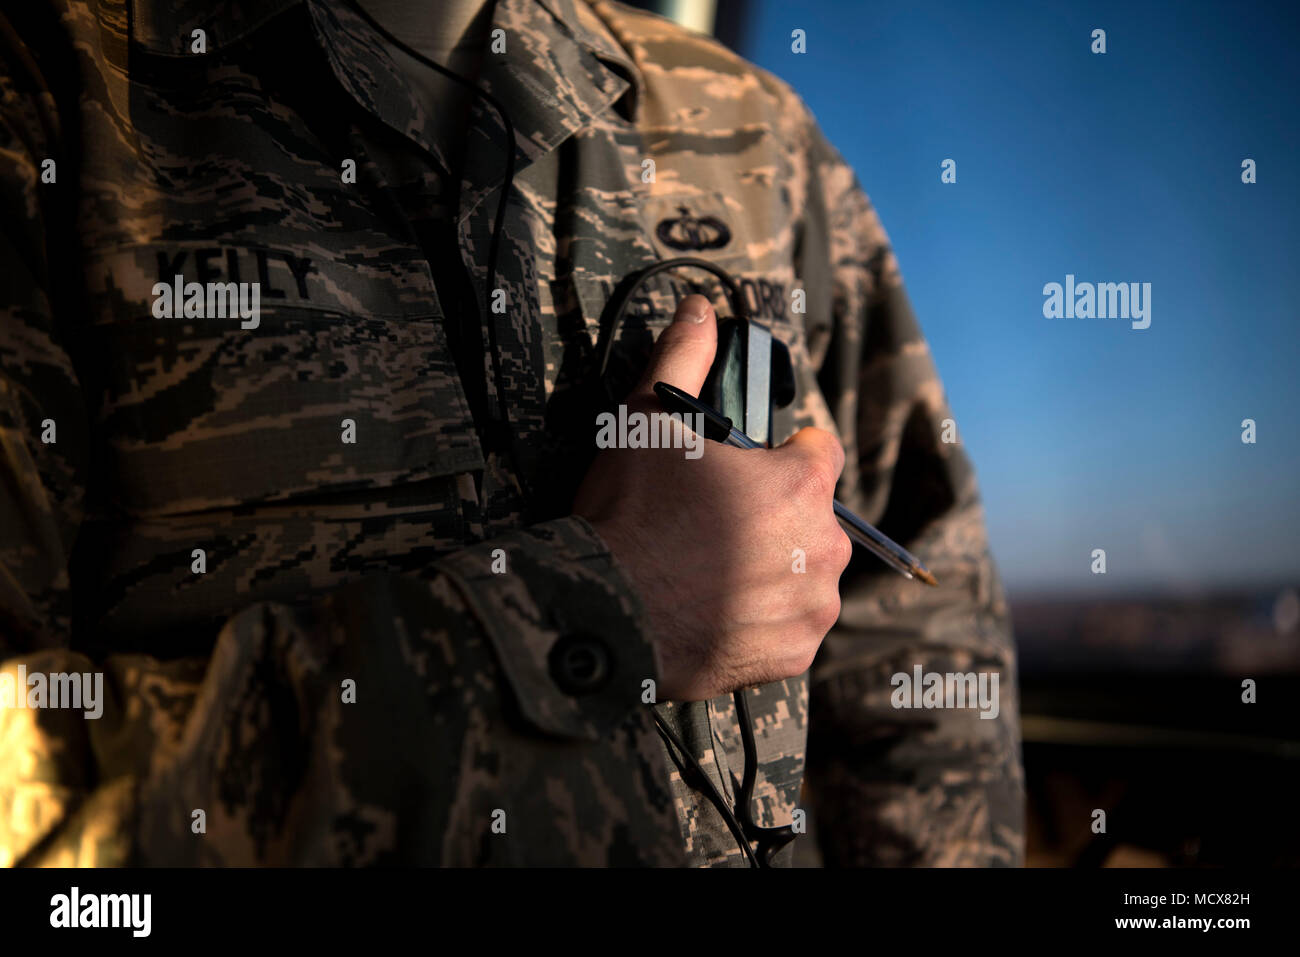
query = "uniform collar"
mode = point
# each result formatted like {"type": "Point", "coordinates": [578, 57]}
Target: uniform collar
{"type": "Point", "coordinates": [554, 79]}
{"type": "Point", "coordinates": [561, 68]}
{"type": "Point", "coordinates": [589, 30]}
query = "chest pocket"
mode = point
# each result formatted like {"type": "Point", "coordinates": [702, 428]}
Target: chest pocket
{"type": "Point", "coordinates": [344, 383]}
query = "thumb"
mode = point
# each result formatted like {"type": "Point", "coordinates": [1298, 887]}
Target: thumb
{"type": "Point", "coordinates": [684, 351]}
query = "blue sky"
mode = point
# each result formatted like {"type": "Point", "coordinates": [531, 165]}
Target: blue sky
{"type": "Point", "coordinates": [1122, 167]}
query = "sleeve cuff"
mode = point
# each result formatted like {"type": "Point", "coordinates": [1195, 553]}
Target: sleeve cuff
{"type": "Point", "coordinates": [564, 621]}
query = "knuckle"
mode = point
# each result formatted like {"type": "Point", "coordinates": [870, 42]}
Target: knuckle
{"type": "Point", "coordinates": [828, 467]}
{"type": "Point", "coordinates": [826, 445]}
{"type": "Point", "coordinates": [801, 655]}
{"type": "Point", "coordinates": [803, 663]}
{"type": "Point", "coordinates": [841, 548]}
{"type": "Point", "coordinates": [827, 613]}
{"type": "Point", "coordinates": [810, 651]}
{"type": "Point", "coordinates": [816, 477]}
{"type": "Point", "coordinates": [835, 454]}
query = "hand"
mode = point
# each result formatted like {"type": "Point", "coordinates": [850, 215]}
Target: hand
{"type": "Point", "coordinates": [709, 542]}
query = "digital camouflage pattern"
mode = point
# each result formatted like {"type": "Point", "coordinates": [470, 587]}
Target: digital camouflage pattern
{"type": "Point", "coordinates": [373, 561]}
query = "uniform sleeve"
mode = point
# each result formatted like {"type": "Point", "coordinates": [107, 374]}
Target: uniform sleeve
{"type": "Point", "coordinates": [455, 716]}
{"type": "Point", "coordinates": [903, 785]}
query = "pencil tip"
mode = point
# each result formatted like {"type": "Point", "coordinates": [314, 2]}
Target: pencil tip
{"type": "Point", "coordinates": [925, 576]}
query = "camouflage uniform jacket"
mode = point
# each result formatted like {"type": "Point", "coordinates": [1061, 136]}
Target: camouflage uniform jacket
{"type": "Point", "coordinates": [308, 638]}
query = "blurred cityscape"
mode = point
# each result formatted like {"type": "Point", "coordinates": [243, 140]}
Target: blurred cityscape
{"type": "Point", "coordinates": [1134, 706]}
{"type": "Point", "coordinates": [1246, 633]}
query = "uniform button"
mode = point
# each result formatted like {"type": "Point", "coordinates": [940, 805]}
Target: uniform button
{"type": "Point", "coordinates": [580, 664]}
